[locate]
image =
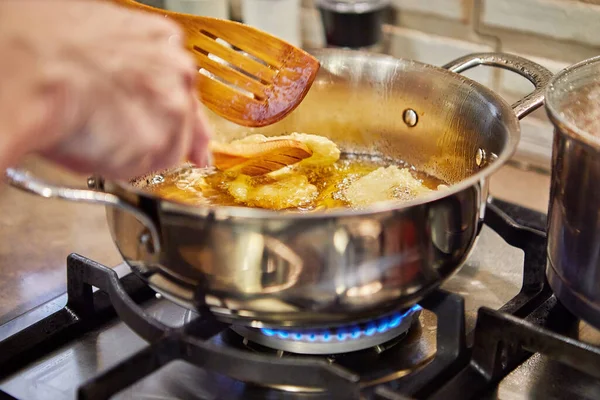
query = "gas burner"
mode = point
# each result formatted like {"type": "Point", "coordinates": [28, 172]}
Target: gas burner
{"type": "Point", "coordinates": [343, 339]}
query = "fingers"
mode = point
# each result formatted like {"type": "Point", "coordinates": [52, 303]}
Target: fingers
{"type": "Point", "coordinates": [132, 105]}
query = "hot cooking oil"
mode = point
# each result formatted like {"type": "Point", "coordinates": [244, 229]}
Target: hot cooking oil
{"type": "Point", "coordinates": [309, 188]}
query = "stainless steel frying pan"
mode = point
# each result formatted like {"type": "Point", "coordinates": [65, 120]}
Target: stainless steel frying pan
{"type": "Point", "coordinates": [265, 268]}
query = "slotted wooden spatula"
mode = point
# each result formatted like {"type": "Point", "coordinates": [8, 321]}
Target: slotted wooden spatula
{"type": "Point", "coordinates": [258, 158]}
{"type": "Point", "coordinates": [256, 86]}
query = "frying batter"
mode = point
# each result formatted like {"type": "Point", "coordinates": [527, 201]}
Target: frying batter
{"type": "Point", "coordinates": [326, 180]}
{"type": "Point", "coordinates": [383, 184]}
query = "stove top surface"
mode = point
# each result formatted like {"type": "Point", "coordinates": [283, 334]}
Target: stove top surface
{"type": "Point", "coordinates": [492, 277]}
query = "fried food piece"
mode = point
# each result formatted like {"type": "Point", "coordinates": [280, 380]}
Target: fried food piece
{"type": "Point", "coordinates": [287, 187]}
{"type": "Point", "coordinates": [289, 191]}
{"type": "Point", "coordinates": [383, 184]}
{"type": "Point", "coordinates": [325, 152]}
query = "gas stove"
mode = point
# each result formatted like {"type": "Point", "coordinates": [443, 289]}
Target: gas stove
{"type": "Point", "coordinates": [375, 334]}
{"type": "Point", "coordinates": [494, 330]}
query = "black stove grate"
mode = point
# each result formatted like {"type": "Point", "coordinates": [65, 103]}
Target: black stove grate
{"type": "Point", "coordinates": [532, 322]}
{"type": "Point", "coordinates": [534, 290]}
{"type": "Point", "coordinates": [83, 312]}
{"type": "Point", "coordinates": [188, 343]}
{"type": "Point", "coordinates": [501, 340]}
{"type": "Point", "coordinates": [532, 240]}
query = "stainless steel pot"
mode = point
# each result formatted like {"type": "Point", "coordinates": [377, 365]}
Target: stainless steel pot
{"type": "Point", "coordinates": [266, 268]}
{"type": "Point", "coordinates": [573, 267]}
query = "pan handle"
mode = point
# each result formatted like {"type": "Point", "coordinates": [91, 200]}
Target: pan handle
{"type": "Point", "coordinates": [535, 73]}
{"type": "Point", "coordinates": [22, 180]}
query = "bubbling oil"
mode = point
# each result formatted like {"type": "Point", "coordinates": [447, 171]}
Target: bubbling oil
{"type": "Point", "coordinates": [209, 187]}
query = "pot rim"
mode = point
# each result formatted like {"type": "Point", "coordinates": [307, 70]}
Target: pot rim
{"type": "Point", "coordinates": [566, 126]}
{"type": "Point", "coordinates": [513, 137]}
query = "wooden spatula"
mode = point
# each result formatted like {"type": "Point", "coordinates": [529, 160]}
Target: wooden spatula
{"type": "Point", "coordinates": [258, 158]}
{"type": "Point", "coordinates": [256, 86]}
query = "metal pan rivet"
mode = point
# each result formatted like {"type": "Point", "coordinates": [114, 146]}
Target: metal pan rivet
{"type": "Point", "coordinates": [91, 183]}
{"type": "Point", "coordinates": [480, 157]}
{"type": "Point", "coordinates": [145, 240]}
{"type": "Point", "coordinates": [410, 117]}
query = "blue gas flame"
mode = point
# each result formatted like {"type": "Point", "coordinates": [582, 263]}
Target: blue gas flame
{"type": "Point", "coordinates": [343, 333]}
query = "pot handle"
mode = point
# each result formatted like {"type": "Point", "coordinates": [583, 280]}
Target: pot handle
{"type": "Point", "coordinates": [22, 180]}
{"type": "Point", "coordinates": [535, 73]}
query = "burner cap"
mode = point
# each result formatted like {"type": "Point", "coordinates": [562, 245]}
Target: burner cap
{"type": "Point", "coordinates": [343, 339]}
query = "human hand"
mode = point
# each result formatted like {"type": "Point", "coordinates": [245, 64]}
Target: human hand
{"type": "Point", "coordinates": [96, 88]}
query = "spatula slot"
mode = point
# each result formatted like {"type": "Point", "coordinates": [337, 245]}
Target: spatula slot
{"type": "Point", "coordinates": [239, 49]}
{"type": "Point", "coordinates": [219, 69]}
{"type": "Point", "coordinates": [258, 60]}
{"type": "Point", "coordinates": [232, 66]}
{"type": "Point", "coordinates": [209, 46]}
{"type": "Point", "coordinates": [289, 156]}
{"type": "Point", "coordinates": [278, 164]}
{"type": "Point", "coordinates": [237, 88]}
{"type": "Point", "coordinates": [210, 35]}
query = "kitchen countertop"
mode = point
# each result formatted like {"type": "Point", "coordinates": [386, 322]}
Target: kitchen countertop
{"type": "Point", "coordinates": [38, 234]}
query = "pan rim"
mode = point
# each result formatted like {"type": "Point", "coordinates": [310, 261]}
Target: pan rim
{"type": "Point", "coordinates": [511, 124]}
{"type": "Point", "coordinates": [554, 113]}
